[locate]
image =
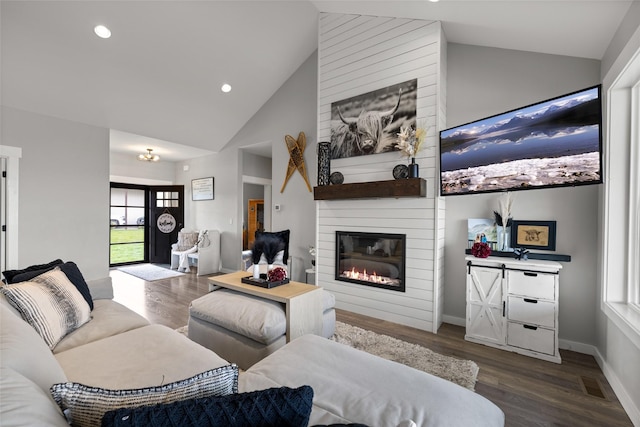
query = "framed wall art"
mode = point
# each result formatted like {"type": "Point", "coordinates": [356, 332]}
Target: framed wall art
{"type": "Point", "coordinates": [369, 123]}
{"type": "Point", "coordinates": [534, 235]}
{"type": "Point", "coordinates": [202, 189]}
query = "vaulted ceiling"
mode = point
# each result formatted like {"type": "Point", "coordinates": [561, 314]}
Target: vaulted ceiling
{"type": "Point", "coordinates": [160, 73]}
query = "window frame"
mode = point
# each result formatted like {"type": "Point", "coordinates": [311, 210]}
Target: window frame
{"type": "Point", "coordinates": [620, 203]}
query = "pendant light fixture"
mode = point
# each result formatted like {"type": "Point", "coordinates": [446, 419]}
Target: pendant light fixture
{"type": "Point", "coordinates": [148, 157]}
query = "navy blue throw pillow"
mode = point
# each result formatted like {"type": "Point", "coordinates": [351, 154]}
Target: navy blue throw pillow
{"type": "Point", "coordinates": [280, 407]}
{"type": "Point", "coordinates": [10, 275]}
{"type": "Point", "coordinates": [71, 270]}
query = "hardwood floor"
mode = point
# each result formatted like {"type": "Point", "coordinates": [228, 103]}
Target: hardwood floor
{"type": "Point", "coordinates": [531, 392]}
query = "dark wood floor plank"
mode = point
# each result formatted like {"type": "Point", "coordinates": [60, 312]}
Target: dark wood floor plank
{"type": "Point", "coordinates": [531, 392]}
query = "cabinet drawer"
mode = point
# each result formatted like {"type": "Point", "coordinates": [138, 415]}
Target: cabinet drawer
{"type": "Point", "coordinates": [531, 338]}
{"type": "Point", "coordinates": [532, 311]}
{"type": "Point", "coordinates": [531, 284]}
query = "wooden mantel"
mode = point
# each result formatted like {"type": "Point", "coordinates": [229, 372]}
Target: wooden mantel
{"type": "Point", "coordinates": [411, 187]}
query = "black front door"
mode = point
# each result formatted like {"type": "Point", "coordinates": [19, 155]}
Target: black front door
{"type": "Point", "coordinates": [166, 218]}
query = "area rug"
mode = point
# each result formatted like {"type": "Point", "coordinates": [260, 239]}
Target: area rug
{"type": "Point", "coordinates": [459, 371]}
{"type": "Point", "coordinates": [149, 272]}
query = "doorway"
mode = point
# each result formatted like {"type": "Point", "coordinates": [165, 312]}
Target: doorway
{"type": "Point", "coordinates": [255, 219]}
{"type": "Point", "coordinates": [256, 192]}
{"type": "Point", "coordinates": [144, 221]}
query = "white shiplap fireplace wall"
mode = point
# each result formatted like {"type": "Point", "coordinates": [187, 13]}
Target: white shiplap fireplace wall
{"type": "Point", "coordinates": [358, 54]}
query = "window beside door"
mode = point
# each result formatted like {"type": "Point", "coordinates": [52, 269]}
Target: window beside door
{"type": "Point", "coordinates": [127, 241]}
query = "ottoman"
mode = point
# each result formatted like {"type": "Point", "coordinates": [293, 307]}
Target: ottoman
{"type": "Point", "coordinates": [243, 328]}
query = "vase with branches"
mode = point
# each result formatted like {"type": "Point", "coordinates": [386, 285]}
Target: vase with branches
{"type": "Point", "coordinates": [503, 218]}
{"type": "Point", "coordinates": [409, 143]}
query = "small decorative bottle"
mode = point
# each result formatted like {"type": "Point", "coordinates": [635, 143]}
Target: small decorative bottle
{"type": "Point", "coordinates": [413, 169]}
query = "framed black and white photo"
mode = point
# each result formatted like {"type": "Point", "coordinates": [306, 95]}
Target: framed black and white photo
{"type": "Point", "coordinates": [534, 235]}
{"type": "Point", "coordinates": [369, 123]}
{"type": "Point", "coordinates": [202, 189]}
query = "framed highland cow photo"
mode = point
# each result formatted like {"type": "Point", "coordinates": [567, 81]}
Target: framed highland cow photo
{"type": "Point", "coordinates": [369, 123]}
{"type": "Point", "coordinates": [534, 235]}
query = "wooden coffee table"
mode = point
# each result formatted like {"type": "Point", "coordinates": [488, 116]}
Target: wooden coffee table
{"type": "Point", "coordinates": [303, 302]}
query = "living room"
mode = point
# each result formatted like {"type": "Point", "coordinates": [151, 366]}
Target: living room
{"type": "Point", "coordinates": [65, 169]}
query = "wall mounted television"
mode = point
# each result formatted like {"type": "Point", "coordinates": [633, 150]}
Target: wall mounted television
{"type": "Point", "coordinates": [553, 143]}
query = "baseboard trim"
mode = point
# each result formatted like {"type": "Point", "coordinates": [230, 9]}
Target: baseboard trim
{"type": "Point", "coordinates": [578, 347]}
{"type": "Point", "coordinates": [458, 321]}
{"type": "Point", "coordinates": [626, 401]}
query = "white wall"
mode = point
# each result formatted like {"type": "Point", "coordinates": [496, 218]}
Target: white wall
{"type": "Point", "coordinates": [221, 213]}
{"type": "Point", "coordinates": [291, 110]}
{"type": "Point", "coordinates": [64, 190]}
{"type": "Point", "coordinates": [128, 169]}
{"type": "Point", "coordinates": [359, 54]}
{"type": "Point", "coordinates": [486, 81]}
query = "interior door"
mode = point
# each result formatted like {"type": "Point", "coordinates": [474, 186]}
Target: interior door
{"type": "Point", "coordinates": [166, 218]}
{"type": "Point", "coordinates": [255, 220]}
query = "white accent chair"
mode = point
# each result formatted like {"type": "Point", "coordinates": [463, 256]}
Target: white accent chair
{"type": "Point", "coordinates": [206, 258]}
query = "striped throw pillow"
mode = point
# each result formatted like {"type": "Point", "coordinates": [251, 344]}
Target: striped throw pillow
{"type": "Point", "coordinates": [85, 406]}
{"type": "Point", "coordinates": [50, 303]}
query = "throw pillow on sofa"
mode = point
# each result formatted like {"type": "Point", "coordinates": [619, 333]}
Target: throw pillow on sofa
{"type": "Point", "coordinates": [9, 274]}
{"type": "Point", "coordinates": [50, 303]}
{"type": "Point", "coordinates": [280, 407]}
{"type": "Point", "coordinates": [70, 269]}
{"type": "Point", "coordinates": [85, 406]}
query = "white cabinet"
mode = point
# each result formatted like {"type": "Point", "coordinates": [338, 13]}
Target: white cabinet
{"type": "Point", "coordinates": [513, 305]}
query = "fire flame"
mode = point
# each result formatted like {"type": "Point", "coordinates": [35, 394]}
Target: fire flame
{"type": "Point", "coordinates": [364, 276]}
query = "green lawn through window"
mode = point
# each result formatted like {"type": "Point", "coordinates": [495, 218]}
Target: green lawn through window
{"type": "Point", "coordinates": [127, 245]}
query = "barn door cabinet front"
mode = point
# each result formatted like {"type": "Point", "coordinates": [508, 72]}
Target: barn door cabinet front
{"type": "Point", "coordinates": [513, 305]}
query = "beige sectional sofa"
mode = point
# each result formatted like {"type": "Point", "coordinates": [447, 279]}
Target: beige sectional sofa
{"type": "Point", "coordinates": [118, 349]}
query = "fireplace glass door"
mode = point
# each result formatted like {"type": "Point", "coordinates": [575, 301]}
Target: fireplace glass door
{"type": "Point", "coordinates": [371, 259]}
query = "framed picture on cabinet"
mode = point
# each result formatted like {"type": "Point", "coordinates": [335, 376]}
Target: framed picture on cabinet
{"type": "Point", "coordinates": [534, 235]}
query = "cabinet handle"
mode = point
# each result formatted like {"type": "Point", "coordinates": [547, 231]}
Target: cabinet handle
{"type": "Point", "coordinates": [529, 273]}
{"type": "Point", "coordinates": [504, 305]}
{"type": "Point", "coordinates": [532, 301]}
{"type": "Point", "coordinates": [533, 328]}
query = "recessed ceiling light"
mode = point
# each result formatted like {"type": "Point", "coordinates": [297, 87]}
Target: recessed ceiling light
{"type": "Point", "coordinates": [434, 1]}
{"type": "Point", "coordinates": [226, 88]}
{"type": "Point", "coordinates": [102, 31]}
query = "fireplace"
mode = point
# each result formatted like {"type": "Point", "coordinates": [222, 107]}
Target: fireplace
{"type": "Point", "coordinates": [371, 259]}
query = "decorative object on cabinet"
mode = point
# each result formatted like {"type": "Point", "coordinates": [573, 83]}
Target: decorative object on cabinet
{"type": "Point", "coordinates": [296, 159]}
{"type": "Point", "coordinates": [479, 227]}
{"type": "Point", "coordinates": [361, 125]}
{"type": "Point", "coordinates": [401, 172]}
{"type": "Point", "coordinates": [324, 162]}
{"type": "Point", "coordinates": [480, 250]}
{"type": "Point", "coordinates": [513, 305]}
{"type": "Point", "coordinates": [504, 220]}
{"type": "Point", "coordinates": [531, 255]}
{"type": "Point", "coordinates": [534, 235]}
{"type": "Point", "coordinates": [202, 189]}
{"type": "Point", "coordinates": [521, 253]}
{"type": "Point", "coordinates": [336, 178]}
